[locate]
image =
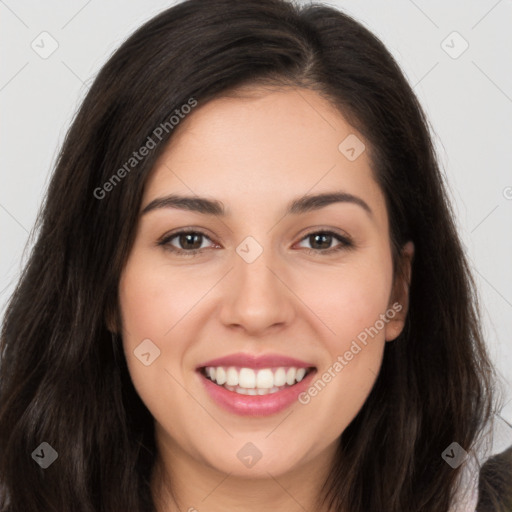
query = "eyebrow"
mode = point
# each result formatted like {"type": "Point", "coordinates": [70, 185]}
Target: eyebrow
{"type": "Point", "coordinates": [213, 207]}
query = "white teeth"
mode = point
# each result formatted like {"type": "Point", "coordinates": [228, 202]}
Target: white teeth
{"type": "Point", "coordinates": [280, 377]}
{"type": "Point", "coordinates": [247, 378]}
{"type": "Point", "coordinates": [290, 376]}
{"type": "Point", "coordinates": [265, 379]}
{"type": "Point", "coordinates": [220, 376]}
{"type": "Point", "coordinates": [300, 374]}
{"type": "Point", "coordinates": [232, 377]}
{"type": "Point", "coordinates": [253, 392]}
{"type": "Point", "coordinates": [248, 381]}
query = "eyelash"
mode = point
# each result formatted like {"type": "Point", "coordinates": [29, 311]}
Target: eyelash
{"type": "Point", "coordinates": [346, 243]}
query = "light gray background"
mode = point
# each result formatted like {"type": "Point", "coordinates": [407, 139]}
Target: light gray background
{"type": "Point", "coordinates": [468, 100]}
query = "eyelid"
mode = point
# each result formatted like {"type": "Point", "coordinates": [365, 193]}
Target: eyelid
{"type": "Point", "coordinates": [186, 230]}
{"type": "Point", "coordinates": [327, 230]}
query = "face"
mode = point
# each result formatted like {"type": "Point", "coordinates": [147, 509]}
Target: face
{"type": "Point", "coordinates": [296, 296]}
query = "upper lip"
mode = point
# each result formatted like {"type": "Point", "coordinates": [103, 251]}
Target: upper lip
{"type": "Point", "coordinates": [252, 361]}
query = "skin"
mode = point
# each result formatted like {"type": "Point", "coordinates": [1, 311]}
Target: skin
{"type": "Point", "coordinates": [255, 153]}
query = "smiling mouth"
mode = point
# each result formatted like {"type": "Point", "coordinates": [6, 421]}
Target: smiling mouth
{"type": "Point", "coordinates": [261, 381]}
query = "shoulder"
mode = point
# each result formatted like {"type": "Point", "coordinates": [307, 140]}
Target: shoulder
{"type": "Point", "coordinates": [495, 483]}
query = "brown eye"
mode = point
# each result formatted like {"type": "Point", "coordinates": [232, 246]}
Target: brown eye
{"type": "Point", "coordinates": [190, 241]}
{"type": "Point", "coordinates": [321, 242]}
{"type": "Point", "coordinates": [186, 242]}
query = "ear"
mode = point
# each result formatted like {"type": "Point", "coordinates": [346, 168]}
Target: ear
{"type": "Point", "coordinates": [399, 303]}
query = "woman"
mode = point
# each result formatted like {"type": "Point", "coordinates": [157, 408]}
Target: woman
{"type": "Point", "coordinates": [173, 344]}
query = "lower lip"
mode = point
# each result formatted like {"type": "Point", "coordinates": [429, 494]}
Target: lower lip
{"type": "Point", "coordinates": [256, 405]}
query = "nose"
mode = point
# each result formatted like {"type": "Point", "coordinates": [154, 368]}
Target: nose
{"type": "Point", "coordinates": [256, 296]}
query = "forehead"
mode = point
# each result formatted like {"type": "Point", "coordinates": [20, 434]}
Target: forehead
{"type": "Point", "coordinates": [264, 146]}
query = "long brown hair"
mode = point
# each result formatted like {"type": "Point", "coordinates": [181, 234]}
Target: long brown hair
{"type": "Point", "coordinates": [64, 379]}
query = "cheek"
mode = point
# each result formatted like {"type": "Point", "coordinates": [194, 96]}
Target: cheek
{"type": "Point", "coordinates": [154, 298]}
{"type": "Point", "coordinates": [350, 301]}
{"type": "Point", "coordinates": [149, 309]}
{"type": "Point", "coordinates": [151, 304]}
{"type": "Point", "coordinates": [348, 298]}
